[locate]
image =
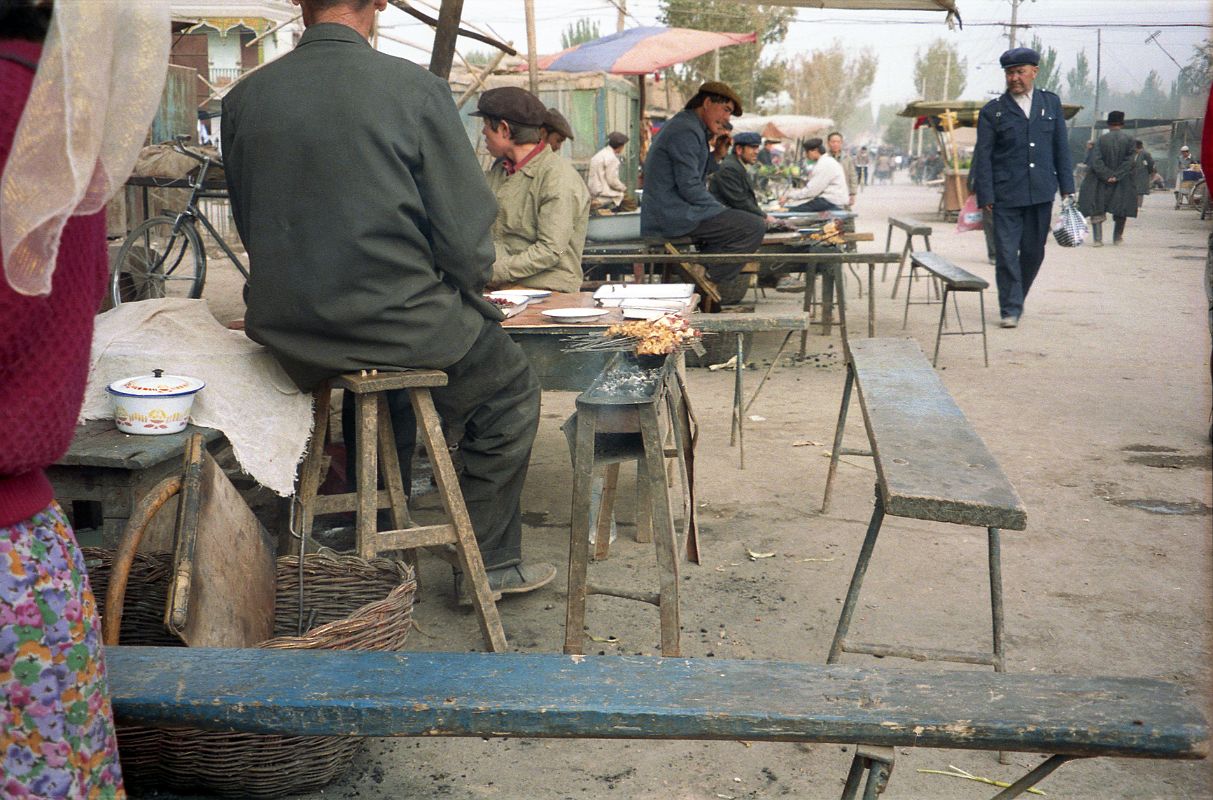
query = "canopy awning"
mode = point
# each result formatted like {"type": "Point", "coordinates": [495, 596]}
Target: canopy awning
{"type": "Point", "coordinates": [783, 126]}
{"type": "Point", "coordinates": [966, 111]}
{"type": "Point", "coordinates": [640, 51]}
{"type": "Point", "coordinates": [947, 6]}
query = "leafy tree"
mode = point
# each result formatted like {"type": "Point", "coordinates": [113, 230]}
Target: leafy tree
{"type": "Point", "coordinates": [894, 130]}
{"type": "Point", "coordinates": [1197, 74]}
{"type": "Point", "coordinates": [1081, 88]}
{"type": "Point", "coordinates": [1049, 76]}
{"type": "Point", "coordinates": [939, 73]}
{"type": "Point", "coordinates": [741, 66]}
{"type": "Point", "coordinates": [833, 83]}
{"type": "Point", "coordinates": [478, 58]}
{"type": "Point", "coordinates": [583, 30]}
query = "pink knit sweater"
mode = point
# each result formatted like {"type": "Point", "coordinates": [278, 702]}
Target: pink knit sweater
{"type": "Point", "coordinates": [44, 341]}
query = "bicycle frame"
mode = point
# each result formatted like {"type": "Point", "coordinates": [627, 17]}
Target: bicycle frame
{"type": "Point", "coordinates": [192, 211]}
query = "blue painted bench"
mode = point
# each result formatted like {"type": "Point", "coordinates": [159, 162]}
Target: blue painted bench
{"type": "Point", "coordinates": [342, 693]}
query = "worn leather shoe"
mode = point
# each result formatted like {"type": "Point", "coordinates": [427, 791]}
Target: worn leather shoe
{"type": "Point", "coordinates": [791, 284]}
{"type": "Point", "coordinates": [517, 579]}
{"type": "Point", "coordinates": [1009, 322]}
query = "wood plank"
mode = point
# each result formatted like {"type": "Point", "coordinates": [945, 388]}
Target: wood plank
{"type": "Point", "coordinates": [97, 443]}
{"type": "Point", "coordinates": [330, 693]}
{"type": "Point", "coordinates": [755, 322]}
{"type": "Point", "coordinates": [955, 276]}
{"type": "Point", "coordinates": [930, 461]}
{"type": "Point", "coordinates": [911, 226]}
{"type": "Point", "coordinates": [222, 593]}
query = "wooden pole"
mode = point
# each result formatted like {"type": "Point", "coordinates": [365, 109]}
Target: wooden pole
{"type": "Point", "coordinates": [480, 79]}
{"type": "Point", "coordinates": [622, 7]}
{"type": "Point", "coordinates": [444, 37]}
{"type": "Point", "coordinates": [642, 138]}
{"type": "Point", "coordinates": [532, 64]}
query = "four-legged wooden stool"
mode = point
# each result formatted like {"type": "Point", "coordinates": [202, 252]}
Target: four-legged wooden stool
{"type": "Point", "coordinates": [375, 425]}
{"type": "Point", "coordinates": [617, 420]}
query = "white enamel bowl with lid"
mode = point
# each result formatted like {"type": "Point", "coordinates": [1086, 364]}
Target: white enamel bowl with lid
{"type": "Point", "coordinates": [153, 404]}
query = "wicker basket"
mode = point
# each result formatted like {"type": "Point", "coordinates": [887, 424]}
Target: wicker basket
{"type": "Point", "coordinates": [354, 604]}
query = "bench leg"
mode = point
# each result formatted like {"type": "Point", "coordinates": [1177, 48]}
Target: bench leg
{"type": "Point", "coordinates": [1042, 771]}
{"type": "Point", "coordinates": [366, 514]}
{"type": "Point", "coordinates": [579, 531]}
{"type": "Point", "coordinates": [834, 452]}
{"type": "Point", "coordinates": [905, 252]}
{"type": "Point", "coordinates": [943, 314]}
{"type": "Point", "coordinates": [606, 512]}
{"type": "Point", "coordinates": [872, 298]}
{"type": "Point", "coordinates": [905, 318]}
{"type": "Point", "coordinates": [877, 762]}
{"type": "Point", "coordinates": [888, 240]}
{"type": "Point", "coordinates": [861, 567]}
{"type": "Point", "coordinates": [996, 612]}
{"type": "Point", "coordinates": [663, 530]}
{"type": "Point", "coordinates": [309, 476]}
{"type": "Point", "coordinates": [985, 350]}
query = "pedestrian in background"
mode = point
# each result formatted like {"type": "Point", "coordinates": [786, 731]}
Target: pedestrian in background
{"type": "Point", "coordinates": [1022, 160]}
{"type": "Point", "coordinates": [1110, 187]}
{"type": "Point", "coordinates": [1143, 171]}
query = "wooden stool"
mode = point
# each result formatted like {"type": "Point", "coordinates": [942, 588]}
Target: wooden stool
{"type": "Point", "coordinates": [375, 425]}
{"type": "Point", "coordinates": [613, 427]}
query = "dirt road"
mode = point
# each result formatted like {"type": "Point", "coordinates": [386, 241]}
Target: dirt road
{"type": "Point", "coordinates": [1097, 408]}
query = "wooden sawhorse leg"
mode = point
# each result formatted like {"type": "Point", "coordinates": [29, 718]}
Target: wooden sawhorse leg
{"type": "Point", "coordinates": [861, 567]}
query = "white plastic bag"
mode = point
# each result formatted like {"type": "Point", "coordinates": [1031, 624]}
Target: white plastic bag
{"type": "Point", "coordinates": [1070, 229]}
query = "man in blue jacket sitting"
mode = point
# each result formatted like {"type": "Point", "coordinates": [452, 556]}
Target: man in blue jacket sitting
{"type": "Point", "coordinates": [676, 197]}
{"type": "Point", "coordinates": [1021, 161]}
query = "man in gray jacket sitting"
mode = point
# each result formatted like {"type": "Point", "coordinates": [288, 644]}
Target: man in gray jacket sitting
{"type": "Point", "coordinates": [676, 198]}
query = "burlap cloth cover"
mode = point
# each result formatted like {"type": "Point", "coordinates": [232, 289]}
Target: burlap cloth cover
{"type": "Point", "coordinates": [247, 395]}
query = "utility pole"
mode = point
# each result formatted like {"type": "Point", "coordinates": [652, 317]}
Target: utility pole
{"type": "Point", "coordinates": [1011, 31]}
{"type": "Point", "coordinates": [1098, 66]}
{"type": "Point", "coordinates": [532, 62]}
{"type": "Point", "coordinates": [947, 75]}
{"type": "Point", "coordinates": [622, 7]}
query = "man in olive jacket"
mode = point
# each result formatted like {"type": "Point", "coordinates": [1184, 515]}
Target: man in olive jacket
{"type": "Point", "coordinates": [366, 219]}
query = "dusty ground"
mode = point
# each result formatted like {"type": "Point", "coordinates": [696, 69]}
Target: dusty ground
{"type": "Point", "coordinates": [1098, 409]}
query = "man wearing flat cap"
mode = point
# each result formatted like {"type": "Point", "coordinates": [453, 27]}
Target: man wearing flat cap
{"type": "Point", "coordinates": [676, 198]}
{"type": "Point", "coordinates": [606, 189]}
{"type": "Point", "coordinates": [555, 129]}
{"type": "Point", "coordinates": [543, 206]}
{"type": "Point", "coordinates": [367, 219]}
{"type": "Point", "coordinates": [1021, 161]}
{"type": "Point", "coordinates": [1109, 187]}
{"type": "Point", "coordinates": [731, 183]}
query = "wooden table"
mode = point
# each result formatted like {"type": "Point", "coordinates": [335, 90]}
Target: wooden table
{"type": "Point", "coordinates": [542, 339]}
{"type": "Point", "coordinates": [105, 472]}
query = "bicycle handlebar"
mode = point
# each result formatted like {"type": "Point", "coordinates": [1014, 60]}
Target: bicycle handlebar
{"type": "Point", "coordinates": [179, 142]}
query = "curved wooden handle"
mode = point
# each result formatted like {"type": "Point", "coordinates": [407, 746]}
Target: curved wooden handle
{"type": "Point", "coordinates": [132, 535]}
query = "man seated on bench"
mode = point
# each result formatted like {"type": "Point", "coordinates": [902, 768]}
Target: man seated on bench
{"type": "Point", "coordinates": [731, 183]}
{"type": "Point", "coordinates": [676, 198]}
{"type": "Point", "coordinates": [367, 219]}
{"type": "Point", "coordinates": [543, 205]}
{"type": "Point", "coordinates": [827, 186]}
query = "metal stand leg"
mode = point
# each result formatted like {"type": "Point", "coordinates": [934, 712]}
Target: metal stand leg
{"type": "Point", "coordinates": [834, 452]}
{"type": "Point", "coordinates": [861, 567]}
{"type": "Point", "coordinates": [909, 291]}
{"type": "Point", "coordinates": [878, 763]}
{"type": "Point", "coordinates": [872, 298]}
{"type": "Point", "coordinates": [996, 612]}
{"type": "Point", "coordinates": [884, 272]}
{"type": "Point", "coordinates": [985, 350]}
{"type": "Point", "coordinates": [905, 251]}
{"type": "Point", "coordinates": [1042, 771]}
{"type": "Point", "coordinates": [943, 313]}
{"type": "Point", "coordinates": [737, 435]}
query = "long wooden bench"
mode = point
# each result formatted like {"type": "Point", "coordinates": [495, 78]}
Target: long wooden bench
{"type": "Point", "coordinates": [954, 279]}
{"type": "Point", "coordinates": [930, 465]}
{"type": "Point", "coordinates": [342, 693]}
{"type": "Point", "coordinates": [912, 228]}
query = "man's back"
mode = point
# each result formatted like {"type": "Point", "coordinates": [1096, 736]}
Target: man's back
{"type": "Point", "coordinates": [364, 212]}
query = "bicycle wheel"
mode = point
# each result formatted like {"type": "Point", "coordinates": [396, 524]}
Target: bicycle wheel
{"type": "Point", "coordinates": [159, 259]}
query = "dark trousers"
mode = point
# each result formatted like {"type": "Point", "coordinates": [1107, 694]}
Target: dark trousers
{"type": "Point", "coordinates": [730, 231]}
{"type": "Point", "coordinates": [987, 228]}
{"type": "Point", "coordinates": [493, 397]}
{"type": "Point", "coordinates": [1020, 233]}
{"type": "Point", "coordinates": [816, 204]}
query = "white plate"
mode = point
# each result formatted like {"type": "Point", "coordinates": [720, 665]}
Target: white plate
{"type": "Point", "coordinates": [520, 295]}
{"type": "Point", "coordinates": [575, 314]}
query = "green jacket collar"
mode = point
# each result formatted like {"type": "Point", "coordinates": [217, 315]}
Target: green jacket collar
{"type": "Point", "coordinates": [331, 32]}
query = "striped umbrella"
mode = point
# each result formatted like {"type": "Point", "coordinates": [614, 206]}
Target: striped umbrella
{"type": "Point", "coordinates": [640, 51]}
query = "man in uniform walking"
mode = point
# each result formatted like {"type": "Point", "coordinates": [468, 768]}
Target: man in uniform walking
{"type": "Point", "coordinates": [1021, 160]}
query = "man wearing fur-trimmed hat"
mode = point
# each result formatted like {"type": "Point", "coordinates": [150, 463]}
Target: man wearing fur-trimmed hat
{"type": "Point", "coordinates": [676, 198]}
{"type": "Point", "coordinates": [1109, 186]}
{"type": "Point", "coordinates": [1021, 161]}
